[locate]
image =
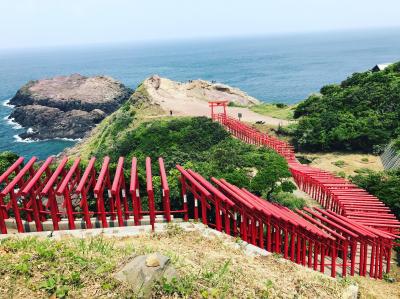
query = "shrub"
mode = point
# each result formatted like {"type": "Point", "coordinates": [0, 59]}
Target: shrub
{"type": "Point", "coordinates": [362, 114]}
{"type": "Point", "coordinates": [281, 105]}
{"type": "Point", "coordinates": [6, 160]}
{"type": "Point", "coordinates": [200, 144]}
{"type": "Point", "coordinates": [289, 200]}
{"type": "Point", "coordinates": [339, 163]}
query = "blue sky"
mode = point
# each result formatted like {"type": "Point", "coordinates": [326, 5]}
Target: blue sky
{"type": "Point", "coordinates": [42, 23]}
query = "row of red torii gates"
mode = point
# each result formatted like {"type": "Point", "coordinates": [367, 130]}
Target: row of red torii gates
{"type": "Point", "coordinates": [54, 195]}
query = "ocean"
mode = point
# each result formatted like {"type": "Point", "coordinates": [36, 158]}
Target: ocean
{"type": "Point", "coordinates": [277, 68]}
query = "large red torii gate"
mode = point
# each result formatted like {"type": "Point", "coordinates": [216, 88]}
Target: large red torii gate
{"type": "Point", "coordinates": [216, 104]}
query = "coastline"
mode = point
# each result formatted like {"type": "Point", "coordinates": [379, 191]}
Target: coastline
{"type": "Point", "coordinates": [7, 104]}
{"type": "Point", "coordinates": [30, 140]}
{"type": "Point", "coordinates": [16, 126]}
{"type": "Point", "coordinates": [11, 122]}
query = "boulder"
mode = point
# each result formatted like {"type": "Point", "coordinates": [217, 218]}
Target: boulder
{"type": "Point", "coordinates": [66, 106]}
{"type": "Point", "coordinates": [351, 292]}
{"type": "Point", "coordinates": [143, 271]}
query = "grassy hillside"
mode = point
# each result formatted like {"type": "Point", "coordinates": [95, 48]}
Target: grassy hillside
{"type": "Point", "coordinates": [139, 129]}
{"type": "Point", "coordinates": [197, 143]}
{"type": "Point", "coordinates": [275, 110]}
{"type": "Point", "coordinates": [108, 136]}
{"type": "Point", "coordinates": [280, 111]}
{"type": "Point", "coordinates": [208, 267]}
{"type": "Point", "coordinates": [360, 114]}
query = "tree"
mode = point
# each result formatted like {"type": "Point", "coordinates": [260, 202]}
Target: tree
{"type": "Point", "coordinates": [6, 160]}
{"type": "Point", "coordinates": [360, 114]}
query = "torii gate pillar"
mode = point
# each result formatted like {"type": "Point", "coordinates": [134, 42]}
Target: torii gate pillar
{"type": "Point", "coordinates": [215, 104]}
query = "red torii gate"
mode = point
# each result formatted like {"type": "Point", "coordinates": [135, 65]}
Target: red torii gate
{"type": "Point", "coordinates": [323, 186]}
{"type": "Point", "coordinates": [215, 104]}
{"type": "Point", "coordinates": [307, 238]}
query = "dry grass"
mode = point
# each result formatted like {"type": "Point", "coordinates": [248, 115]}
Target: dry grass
{"type": "Point", "coordinates": [208, 267]}
{"type": "Point", "coordinates": [341, 163]}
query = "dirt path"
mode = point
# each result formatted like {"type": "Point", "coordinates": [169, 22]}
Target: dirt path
{"type": "Point", "coordinates": [191, 99]}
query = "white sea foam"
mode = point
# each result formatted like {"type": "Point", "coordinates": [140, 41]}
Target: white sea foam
{"type": "Point", "coordinates": [27, 140]}
{"type": "Point", "coordinates": [69, 139]}
{"type": "Point", "coordinates": [29, 131]}
{"type": "Point", "coordinates": [30, 140]}
{"type": "Point", "coordinates": [6, 103]}
{"type": "Point", "coordinates": [12, 123]}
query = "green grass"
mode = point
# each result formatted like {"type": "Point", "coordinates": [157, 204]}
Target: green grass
{"type": "Point", "coordinates": [70, 268]}
{"type": "Point", "coordinates": [233, 104]}
{"type": "Point", "coordinates": [273, 110]}
{"type": "Point", "coordinates": [210, 283]}
{"type": "Point", "coordinates": [340, 163]}
{"type": "Point", "coordinates": [289, 200]}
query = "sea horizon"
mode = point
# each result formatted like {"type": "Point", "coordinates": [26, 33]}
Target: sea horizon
{"type": "Point", "coordinates": [274, 68]}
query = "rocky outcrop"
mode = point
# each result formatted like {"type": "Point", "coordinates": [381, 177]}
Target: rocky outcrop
{"type": "Point", "coordinates": [192, 98]}
{"type": "Point", "coordinates": [67, 106]}
{"type": "Point", "coordinates": [196, 90]}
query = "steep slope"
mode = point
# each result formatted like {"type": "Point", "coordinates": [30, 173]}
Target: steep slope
{"type": "Point", "coordinates": [154, 99]}
{"type": "Point", "coordinates": [138, 130]}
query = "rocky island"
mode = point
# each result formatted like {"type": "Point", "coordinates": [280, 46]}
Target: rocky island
{"type": "Point", "coordinates": [66, 106]}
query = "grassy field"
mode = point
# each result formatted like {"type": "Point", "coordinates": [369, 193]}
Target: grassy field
{"type": "Point", "coordinates": [208, 267]}
{"type": "Point", "coordinates": [343, 163]}
{"type": "Point", "coordinates": [273, 110]}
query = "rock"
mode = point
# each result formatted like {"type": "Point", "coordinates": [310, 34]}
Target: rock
{"type": "Point", "coordinates": [152, 261]}
{"type": "Point", "coordinates": [351, 292]}
{"type": "Point", "coordinates": [67, 106]}
{"type": "Point", "coordinates": [155, 81]}
{"type": "Point", "coordinates": [192, 97]}
{"type": "Point", "coordinates": [141, 277]}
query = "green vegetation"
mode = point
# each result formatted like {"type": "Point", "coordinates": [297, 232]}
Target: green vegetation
{"type": "Point", "coordinates": [202, 145]}
{"type": "Point", "coordinates": [137, 130]}
{"type": "Point", "coordinates": [207, 266]}
{"type": "Point", "coordinates": [339, 163]}
{"type": "Point", "coordinates": [188, 285]}
{"type": "Point", "coordinates": [73, 268]}
{"type": "Point", "coordinates": [233, 104]}
{"type": "Point", "coordinates": [6, 160]}
{"type": "Point", "coordinates": [360, 114]}
{"type": "Point", "coordinates": [113, 133]}
{"type": "Point", "coordinates": [278, 110]}
{"type": "Point", "coordinates": [289, 200]}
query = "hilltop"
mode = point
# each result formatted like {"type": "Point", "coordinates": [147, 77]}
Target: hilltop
{"type": "Point", "coordinates": [191, 99]}
{"type": "Point", "coordinates": [360, 114]}
{"type": "Point", "coordinates": [154, 99]}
